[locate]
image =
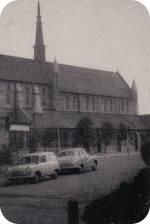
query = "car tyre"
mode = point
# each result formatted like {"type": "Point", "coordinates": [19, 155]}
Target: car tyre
{"type": "Point", "coordinates": [81, 169]}
{"type": "Point", "coordinates": [94, 166]}
{"type": "Point", "coordinates": [55, 175]}
{"type": "Point", "coordinates": [37, 177]}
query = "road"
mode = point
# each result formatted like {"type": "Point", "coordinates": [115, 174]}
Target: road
{"type": "Point", "coordinates": [111, 171]}
{"type": "Point", "coordinates": [46, 202]}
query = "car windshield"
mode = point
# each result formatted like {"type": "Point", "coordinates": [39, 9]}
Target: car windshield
{"type": "Point", "coordinates": [66, 153]}
{"type": "Point", "coordinates": [29, 159]}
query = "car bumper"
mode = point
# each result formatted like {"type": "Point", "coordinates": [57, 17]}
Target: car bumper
{"type": "Point", "coordinates": [68, 168]}
{"type": "Point", "coordinates": [19, 178]}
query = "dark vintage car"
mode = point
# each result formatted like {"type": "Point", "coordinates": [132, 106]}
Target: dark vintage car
{"type": "Point", "coordinates": [78, 159]}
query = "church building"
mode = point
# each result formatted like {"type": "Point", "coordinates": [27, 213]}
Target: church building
{"type": "Point", "coordinates": [39, 95]}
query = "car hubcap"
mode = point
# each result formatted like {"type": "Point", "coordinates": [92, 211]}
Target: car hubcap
{"type": "Point", "coordinates": [81, 170]}
{"type": "Point", "coordinates": [37, 178]}
{"type": "Point", "coordinates": [55, 175]}
{"type": "Point", "coordinates": [94, 167]}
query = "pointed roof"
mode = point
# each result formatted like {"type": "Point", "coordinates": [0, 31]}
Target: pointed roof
{"type": "Point", "coordinates": [72, 78]}
{"type": "Point", "coordinates": [56, 66]}
{"type": "Point", "coordinates": [39, 48]}
{"type": "Point", "coordinates": [134, 86]}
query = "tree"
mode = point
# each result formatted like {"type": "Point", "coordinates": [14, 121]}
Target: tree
{"type": "Point", "coordinates": [35, 139]}
{"type": "Point", "coordinates": [5, 155]}
{"type": "Point", "coordinates": [145, 151]}
{"type": "Point", "coordinates": [122, 133]}
{"type": "Point", "coordinates": [48, 136]}
{"type": "Point", "coordinates": [145, 134]}
{"type": "Point", "coordinates": [84, 135]}
{"type": "Point", "coordinates": [107, 133]}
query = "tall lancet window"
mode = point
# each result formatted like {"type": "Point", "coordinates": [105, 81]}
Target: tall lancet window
{"type": "Point", "coordinates": [105, 105]}
{"type": "Point", "coordinates": [57, 80]}
{"type": "Point", "coordinates": [8, 94]}
{"type": "Point", "coordinates": [74, 102]}
{"type": "Point", "coordinates": [27, 96]}
{"type": "Point", "coordinates": [67, 102]}
{"type": "Point", "coordinates": [93, 104]}
{"type": "Point", "coordinates": [87, 102]}
{"type": "Point", "coordinates": [43, 97]}
{"type": "Point", "coordinates": [111, 105]}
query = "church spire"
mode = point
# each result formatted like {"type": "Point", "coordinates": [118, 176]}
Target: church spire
{"type": "Point", "coordinates": [39, 48]}
{"type": "Point", "coordinates": [134, 86]}
{"type": "Point", "coordinates": [135, 95]}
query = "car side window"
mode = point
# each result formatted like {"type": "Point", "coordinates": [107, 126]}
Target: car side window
{"type": "Point", "coordinates": [43, 159]}
{"type": "Point", "coordinates": [79, 153]}
{"type": "Point", "coordinates": [83, 152]}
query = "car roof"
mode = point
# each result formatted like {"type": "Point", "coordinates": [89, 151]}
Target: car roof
{"type": "Point", "coordinates": [39, 154]}
{"type": "Point", "coordinates": [71, 149]}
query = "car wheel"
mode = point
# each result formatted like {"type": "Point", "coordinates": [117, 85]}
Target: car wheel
{"type": "Point", "coordinates": [55, 175]}
{"type": "Point", "coordinates": [37, 177]}
{"type": "Point", "coordinates": [81, 169]}
{"type": "Point", "coordinates": [94, 166]}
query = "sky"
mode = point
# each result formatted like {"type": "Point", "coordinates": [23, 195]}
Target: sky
{"type": "Point", "coordinates": [112, 35]}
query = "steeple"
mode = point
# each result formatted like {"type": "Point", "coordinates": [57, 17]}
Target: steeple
{"type": "Point", "coordinates": [134, 86]}
{"type": "Point", "coordinates": [56, 66]}
{"type": "Point", "coordinates": [39, 48]}
{"type": "Point", "coordinates": [135, 95]}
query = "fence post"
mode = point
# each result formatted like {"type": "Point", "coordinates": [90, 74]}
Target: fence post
{"type": "Point", "coordinates": [73, 212]}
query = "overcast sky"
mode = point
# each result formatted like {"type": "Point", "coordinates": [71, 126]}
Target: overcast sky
{"type": "Point", "coordinates": [104, 34]}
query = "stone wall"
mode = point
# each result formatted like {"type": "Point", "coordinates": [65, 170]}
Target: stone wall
{"type": "Point", "coordinates": [99, 104]}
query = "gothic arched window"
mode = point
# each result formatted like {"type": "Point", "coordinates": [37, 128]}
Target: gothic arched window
{"type": "Point", "coordinates": [43, 96]}
{"type": "Point", "coordinates": [105, 105]}
{"type": "Point", "coordinates": [111, 105]}
{"type": "Point", "coordinates": [122, 105]}
{"type": "Point", "coordinates": [8, 94]}
{"type": "Point", "coordinates": [67, 102]}
{"type": "Point", "coordinates": [87, 102]}
{"type": "Point", "coordinates": [27, 96]}
{"type": "Point", "coordinates": [74, 102]}
{"type": "Point", "coordinates": [93, 103]}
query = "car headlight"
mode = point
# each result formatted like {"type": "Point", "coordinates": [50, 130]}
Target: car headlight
{"type": "Point", "coordinates": [28, 171]}
{"type": "Point", "coordinates": [6, 171]}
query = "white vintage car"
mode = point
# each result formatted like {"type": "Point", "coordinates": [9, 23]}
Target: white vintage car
{"type": "Point", "coordinates": [34, 166]}
{"type": "Point", "coordinates": [77, 159]}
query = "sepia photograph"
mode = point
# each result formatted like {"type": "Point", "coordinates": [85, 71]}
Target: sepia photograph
{"type": "Point", "coordinates": [74, 112]}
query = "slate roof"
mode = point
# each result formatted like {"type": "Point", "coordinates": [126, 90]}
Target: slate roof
{"type": "Point", "coordinates": [146, 120]}
{"type": "Point", "coordinates": [72, 78]}
{"type": "Point", "coordinates": [53, 119]}
{"type": "Point", "coordinates": [92, 81]}
{"type": "Point", "coordinates": [21, 117]}
{"type": "Point", "coordinates": [22, 69]}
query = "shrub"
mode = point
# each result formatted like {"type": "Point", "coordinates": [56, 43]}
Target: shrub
{"type": "Point", "coordinates": [126, 205]}
{"type": "Point", "coordinates": [5, 156]}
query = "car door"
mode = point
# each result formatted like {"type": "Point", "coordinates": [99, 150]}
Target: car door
{"type": "Point", "coordinates": [52, 164]}
{"type": "Point", "coordinates": [85, 157]}
{"type": "Point", "coordinates": [78, 158]}
{"type": "Point", "coordinates": [43, 165]}
{"type": "Point", "coordinates": [81, 158]}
